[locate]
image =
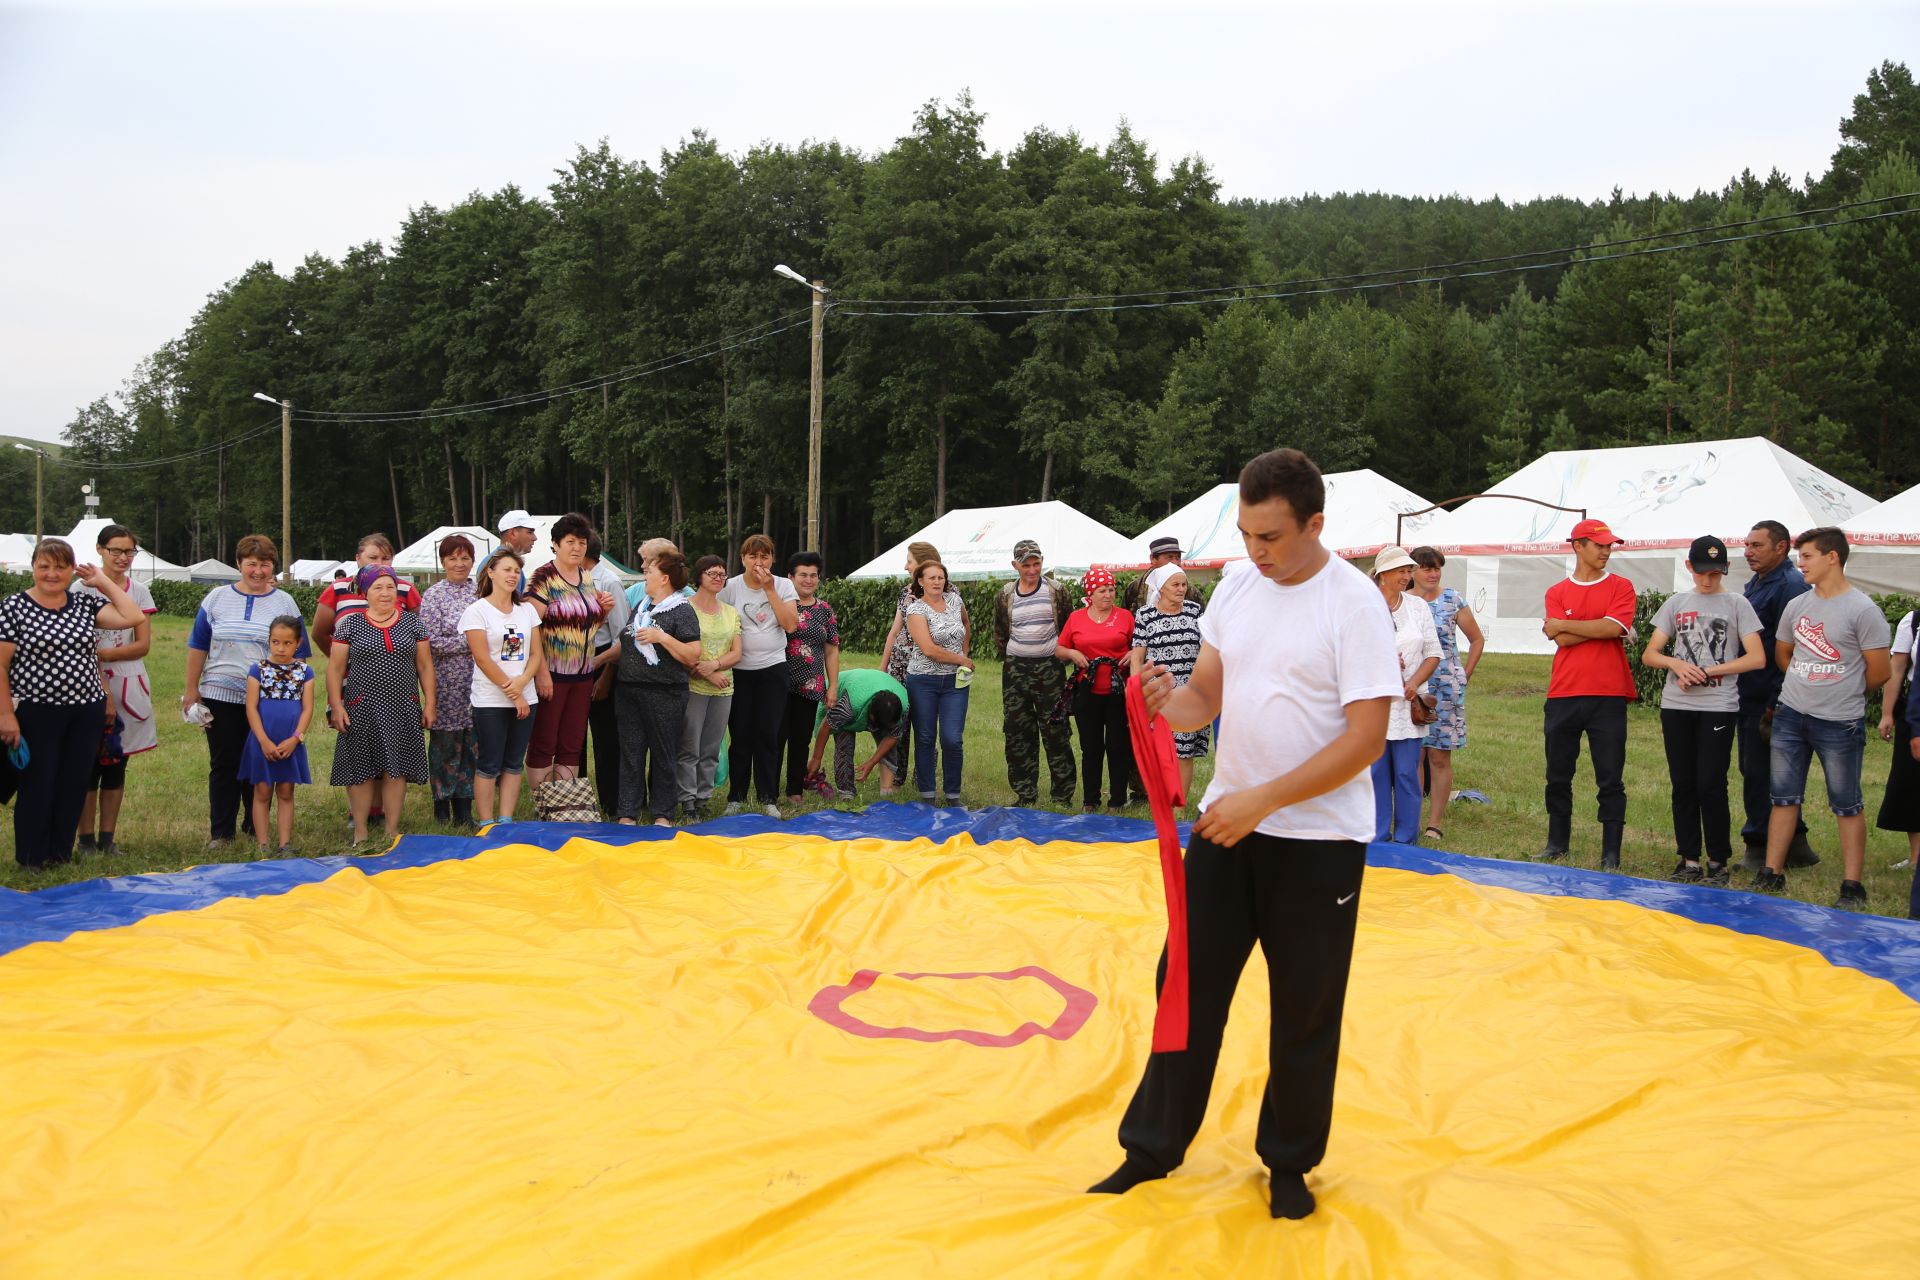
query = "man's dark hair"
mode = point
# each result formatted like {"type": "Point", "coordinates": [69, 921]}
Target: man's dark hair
{"type": "Point", "coordinates": [1284, 473]}
{"type": "Point", "coordinates": [595, 548]}
{"type": "Point", "coordinates": [572, 525]}
{"type": "Point", "coordinates": [1775, 530]}
{"type": "Point", "coordinates": [1824, 540]}
{"type": "Point", "coordinates": [109, 532]}
{"type": "Point", "coordinates": [803, 558]}
{"type": "Point", "coordinates": [883, 713]}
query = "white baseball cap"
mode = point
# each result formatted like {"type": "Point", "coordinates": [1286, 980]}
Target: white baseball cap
{"type": "Point", "coordinates": [515, 519]}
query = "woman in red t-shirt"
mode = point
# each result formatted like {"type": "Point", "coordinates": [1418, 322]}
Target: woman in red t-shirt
{"type": "Point", "coordinates": [1096, 641]}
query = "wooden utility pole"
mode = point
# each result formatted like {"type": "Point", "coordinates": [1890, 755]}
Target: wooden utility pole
{"type": "Point", "coordinates": [286, 489]}
{"type": "Point", "coordinates": [814, 399]}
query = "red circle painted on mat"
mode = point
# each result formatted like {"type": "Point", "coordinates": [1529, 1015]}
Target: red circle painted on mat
{"type": "Point", "coordinates": [1077, 1006]}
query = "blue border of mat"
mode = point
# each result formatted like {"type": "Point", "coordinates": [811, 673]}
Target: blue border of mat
{"type": "Point", "coordinates": [1875, 945]}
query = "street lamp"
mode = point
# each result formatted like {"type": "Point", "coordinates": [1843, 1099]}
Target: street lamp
{"type": "Point", "coordinates": [39, 485]}
{"type": "Point", "coordinates": [816, 379]}
{"type": "Point", "coordinates": [286, 482]}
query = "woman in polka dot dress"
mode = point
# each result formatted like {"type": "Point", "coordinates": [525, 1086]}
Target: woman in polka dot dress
{"type": "Point", "coordinates": [52, 704]}
{"type": "Point", "coordinates": [380, 688]}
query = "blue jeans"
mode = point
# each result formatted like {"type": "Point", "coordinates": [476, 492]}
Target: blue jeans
{"type": "Point", "coordinates": [939, 712]}
{"type": "Point", "coordinates": [1841, 746]}
{"type": "Point", "coordinates": [1396, 792]}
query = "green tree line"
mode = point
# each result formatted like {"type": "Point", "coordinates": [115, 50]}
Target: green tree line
{"type": "Point", "coordinates": [621, 284]}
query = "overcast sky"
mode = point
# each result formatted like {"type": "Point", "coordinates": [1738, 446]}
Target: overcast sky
{"type": "Point", "coordinates": [150, 153]}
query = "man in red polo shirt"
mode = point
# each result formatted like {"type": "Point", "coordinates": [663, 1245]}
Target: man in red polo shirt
{"type": "Point", "coordinates": [1589, 617]}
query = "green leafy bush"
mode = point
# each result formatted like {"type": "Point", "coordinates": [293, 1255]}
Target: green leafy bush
{"type": "Point", "coordinates": [181, 599]}
{"type": "Point", "coordinates": [865, 610]}
{"type": "Point", "coordinates": [1650, 680]}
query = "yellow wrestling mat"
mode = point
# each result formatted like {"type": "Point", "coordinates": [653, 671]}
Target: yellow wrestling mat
{"type": "Point", "coordinates": [793, 1054]}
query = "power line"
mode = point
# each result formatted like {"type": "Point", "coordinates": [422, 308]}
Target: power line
{"type": "Point", "coordinates": [272, 424]}
{"type": "Point", "coordinates": [1361, 282]}
{"type": "Point", "coordinates": [706, 350]}
{"type": "Point", "coordinates": [1285, 295]}
{"type": "Point", "coordinates": [1396, 271]}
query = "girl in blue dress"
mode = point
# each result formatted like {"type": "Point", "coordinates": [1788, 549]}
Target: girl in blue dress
{"type": "Point", "coordinates": [279, 708]}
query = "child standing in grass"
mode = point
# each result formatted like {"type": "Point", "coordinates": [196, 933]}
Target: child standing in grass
{"type": "Point", "coordinates": [1716, 636]}
{"type": "Point", "coordinates": [279, 708]}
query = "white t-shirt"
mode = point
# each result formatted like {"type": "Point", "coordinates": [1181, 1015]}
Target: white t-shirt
{"type": "Point", "coordinates": [1415, 639]}
{"type": "Point", "coordinates": [116, 638]}
{"type": "Point", "coordinates": [509, 640]}
{"type": "Point", "coordinates": [1292, 658]}
{"type": "Point", "coordinates": [763, 641]}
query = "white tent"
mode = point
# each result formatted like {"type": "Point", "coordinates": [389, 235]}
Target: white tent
{"type": "Point", "coordinates": [1362, 507]}
{"type": "Point", "coordinates": [1504, 554]}
{"type": "Point", "coordinates": [315, 571]}
{"type": "Point", "coordinates": [147, 567]}
{"type": "Point", "coordinates": [213, 571]}
{"type": "Point", "coordinates": [1885, 555]}
{"type": "Point", "coordinates": [542, 542]}
{"type": "Point", "coordinates": [424, 556]}
{"type": "Point", "coordinates": [977, 542]}
{"type": "Point", "coordinates": [16, 551]}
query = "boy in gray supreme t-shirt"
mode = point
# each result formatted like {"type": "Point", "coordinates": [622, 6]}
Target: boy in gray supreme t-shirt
{"type": "Point", "coordinates": [1716, 636]}
{"type": "Point", "coordinates": [1832, 643]}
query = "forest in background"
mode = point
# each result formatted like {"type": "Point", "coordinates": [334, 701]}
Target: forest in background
{"type": "Point", "coordinates": [1096, 343]}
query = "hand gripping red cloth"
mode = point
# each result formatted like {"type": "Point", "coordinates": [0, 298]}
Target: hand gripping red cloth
{"type": "Point", "coordinates": [1160, 770]}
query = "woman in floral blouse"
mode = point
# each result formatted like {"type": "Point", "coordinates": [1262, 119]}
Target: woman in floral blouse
{"type": "Point", "coordinates": [450, 744]}
{"type": "Point", "coordinates": [813, 671]}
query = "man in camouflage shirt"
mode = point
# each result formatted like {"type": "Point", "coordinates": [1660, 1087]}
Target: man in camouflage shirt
{"type": "Point", "coordinates": [1027, 617]}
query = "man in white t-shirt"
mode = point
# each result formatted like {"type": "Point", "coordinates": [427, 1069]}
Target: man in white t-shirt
{"type": "Point", "coordinates": [1297, 654]}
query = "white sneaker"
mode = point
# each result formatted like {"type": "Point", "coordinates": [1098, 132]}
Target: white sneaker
{"type": "Point", "coordinates": [733, 807]}
{"type": "Point", "coordinates": [772, 811]}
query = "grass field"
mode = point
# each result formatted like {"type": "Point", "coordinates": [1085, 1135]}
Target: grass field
{"type": "Point", "coordinates": [164, 824]}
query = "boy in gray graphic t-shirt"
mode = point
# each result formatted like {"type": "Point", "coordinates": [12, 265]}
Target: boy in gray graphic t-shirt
{"type": "Point", "coordinates": [1827, 675]}
{"type": "Point", "coordinates": [1716, 636]}
{"type": "Point", "coordinates": [1832, 644]}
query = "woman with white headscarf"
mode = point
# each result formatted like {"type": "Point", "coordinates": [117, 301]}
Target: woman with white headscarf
{"type": "Point", "coordinates": [1166, 632]}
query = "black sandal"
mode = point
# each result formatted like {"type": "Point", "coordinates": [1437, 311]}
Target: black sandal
{"type": "Point", "coordinates": [1435, 832]}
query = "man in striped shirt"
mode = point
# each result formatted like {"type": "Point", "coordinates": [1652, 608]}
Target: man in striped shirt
{"type": "Point", "coordinates": [1027, 617]}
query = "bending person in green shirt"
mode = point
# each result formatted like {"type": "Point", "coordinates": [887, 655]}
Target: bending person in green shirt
{"type": "Point", "coordinates": [870, 701]}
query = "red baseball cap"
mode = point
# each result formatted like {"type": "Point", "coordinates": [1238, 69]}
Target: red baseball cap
{"type": "Point", "coordinates": [1594, 531]}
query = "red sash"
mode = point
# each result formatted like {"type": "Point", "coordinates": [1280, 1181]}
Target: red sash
{"type": "Point", "coordinates": [1160, 770]}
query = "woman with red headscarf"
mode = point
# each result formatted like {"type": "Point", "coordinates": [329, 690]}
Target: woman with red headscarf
{"type": "Point", "coordinates": [1096, 640]}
